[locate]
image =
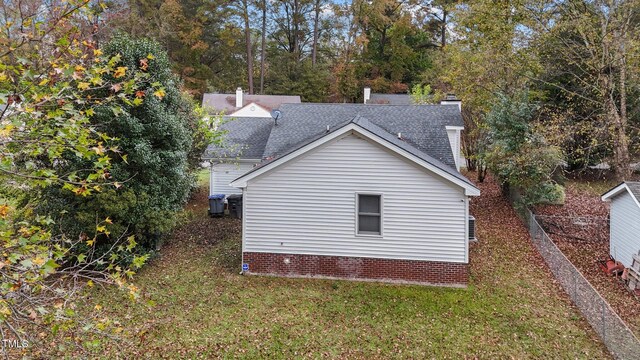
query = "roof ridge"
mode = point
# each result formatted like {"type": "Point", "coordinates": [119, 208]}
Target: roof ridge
{"type": "Point", "coordinates": [372, 105]}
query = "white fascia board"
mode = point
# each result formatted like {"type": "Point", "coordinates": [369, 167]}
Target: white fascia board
{"type": "Point", "coordinates": [234, 160]}
{"type": "Point", "coordinates": [451, 127]}
{"type": "Point", "coordinates": [609, 195]}
{"type": "Point", "coordinates": [241, 182]}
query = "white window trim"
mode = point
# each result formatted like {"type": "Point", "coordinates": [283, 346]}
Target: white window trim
{"type": "Point", "coordinates": [357, 208]}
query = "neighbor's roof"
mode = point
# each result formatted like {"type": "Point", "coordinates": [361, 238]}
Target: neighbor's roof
{"type": "Point", "coordinates": [390, 99]}
{"type": "Point", "coordinates": [227, 102]}
{"type": "Point", "coordinates": [376, 132]}
{"type": "Point", "coordinates": [632, 187]}
{"type": "Point", "coordinates": [245, 137]}
{"type": "Point", "coordinates": [421, 126]}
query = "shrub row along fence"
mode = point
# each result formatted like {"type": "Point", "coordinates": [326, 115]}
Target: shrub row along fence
{"type": "Point", "coordinates": [618, 338]}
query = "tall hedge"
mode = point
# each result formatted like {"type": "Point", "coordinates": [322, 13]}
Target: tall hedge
{"type": "Point", "coordinates": [156, 142]}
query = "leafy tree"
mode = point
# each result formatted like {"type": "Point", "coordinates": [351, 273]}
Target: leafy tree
{"type": "Point", "coordinates": [201, 38]}
{"type": "Point", "coordinates": [488, 57]}
{"type": "Point", "coordinates": [53, 85]}
{"type": "Point", "coordinates": [438, 19]}
{"type": "Point", "coordinates": [424, 95]}
{"type": "Point", "coordinates": [156, 132]}
{"type": "Point", "coordinates": [243, 10]}
{"type": "Point", "coordinates": [518, 154]}
{"type": "Point", "coordinates": [590, 51]}
{"type": "Point", "coordinates": [394, 49]}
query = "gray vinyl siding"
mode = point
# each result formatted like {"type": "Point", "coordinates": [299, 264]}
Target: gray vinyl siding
{"type": "Point", "coordinates": [223, 173]}
{"type": "Point", "coordinates": [308, 206]}
{"type": "Point", "coordinates": [625, 228]}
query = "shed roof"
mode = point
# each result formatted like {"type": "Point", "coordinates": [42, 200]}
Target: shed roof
{"type": "Point", "coordinates": [632, 187]}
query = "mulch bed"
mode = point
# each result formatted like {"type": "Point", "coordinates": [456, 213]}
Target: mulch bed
{"type": "Point", "coordinates": [591, 245]}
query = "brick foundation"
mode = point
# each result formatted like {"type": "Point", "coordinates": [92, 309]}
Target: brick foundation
{"type": "Point", "coordinates": [356, 268]}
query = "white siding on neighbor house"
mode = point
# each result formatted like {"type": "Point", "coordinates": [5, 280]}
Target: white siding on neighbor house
{"type": "Point", "coordinates": [223, 173]}
{"type": "Point", "coordinates": [251, 110]}
{"type": "Point", "coordinates": [308, 206]}
{"type": "Point", "coordinates": [625, 228]}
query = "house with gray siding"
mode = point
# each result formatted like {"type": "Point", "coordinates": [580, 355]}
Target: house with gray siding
{"type": "Point", "coordinates": [354, 191]}
{"type": "Point", "coordinates": [624, 221]}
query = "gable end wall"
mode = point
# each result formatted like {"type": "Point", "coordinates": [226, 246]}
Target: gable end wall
{"type": "Point", "coordinates": [625, 228]}
{"type": "Point", "coordinates": [307, 207]}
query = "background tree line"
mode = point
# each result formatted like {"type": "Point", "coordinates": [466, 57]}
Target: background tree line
{"type": "Point", "coordinates": [577, 60]}
{"type": "Point", "coordinates": [323, 50]}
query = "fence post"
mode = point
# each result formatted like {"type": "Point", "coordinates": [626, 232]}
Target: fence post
{"type": "Point", "coordinates": [575, 287]}
{"type": "Point", "coordinates": [604, 324]}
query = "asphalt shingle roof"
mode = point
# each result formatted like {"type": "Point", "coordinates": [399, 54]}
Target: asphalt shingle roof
{"type": "Point", "coordinates": [245, 137]}
{"type": "Point", "coordinates": [422, 126]}
{"type": "Point", "coordinates": [635, 189]}
{"type": "Point", "coordinates": [379, 132]}
{"type": "Point", "coordinates": [390, 99]}
{"type": "Point", "coordinates": [226, 103]}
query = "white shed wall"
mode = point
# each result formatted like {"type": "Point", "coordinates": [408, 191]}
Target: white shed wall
{"type": "Point", "coordinates": [625, 228]}
{"type": "Point", "coordinates": [308, 206]}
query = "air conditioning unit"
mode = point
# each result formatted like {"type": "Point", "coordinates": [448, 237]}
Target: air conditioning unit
{"type": "Point", "coordinates": [472, 228]}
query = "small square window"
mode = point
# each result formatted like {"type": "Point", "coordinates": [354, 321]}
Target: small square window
{"type": "Point", "coordinates": [369, 214]}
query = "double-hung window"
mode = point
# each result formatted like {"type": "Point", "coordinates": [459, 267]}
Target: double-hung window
{"type": "Point", "coordinates": [369, 214]}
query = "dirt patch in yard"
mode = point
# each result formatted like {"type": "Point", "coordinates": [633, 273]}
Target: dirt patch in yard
{"type": "Point", "coordinates": [583, 237]}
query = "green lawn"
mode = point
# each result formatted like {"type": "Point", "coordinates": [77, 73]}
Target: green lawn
{"type": "Point", "coordinates": [202, 177]}
{"type": "Point", "coordinates": [196, 305]}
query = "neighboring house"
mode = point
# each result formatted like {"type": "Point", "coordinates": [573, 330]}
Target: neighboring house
{"type": "Point", "coordinates": [244, 143]}
{"type": "Point", "coordinates": [625, 221]}
{"type": "Point", "coordinates": [400, 99]}
{"type": "Point", "coordinates": [246, 138]}
{"type": "Point", "coordinates": [386, 99]}
{"type": "Point", "coordinates": [352, 191]}
{"type": "Point", "coordinates": [243, 105]}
